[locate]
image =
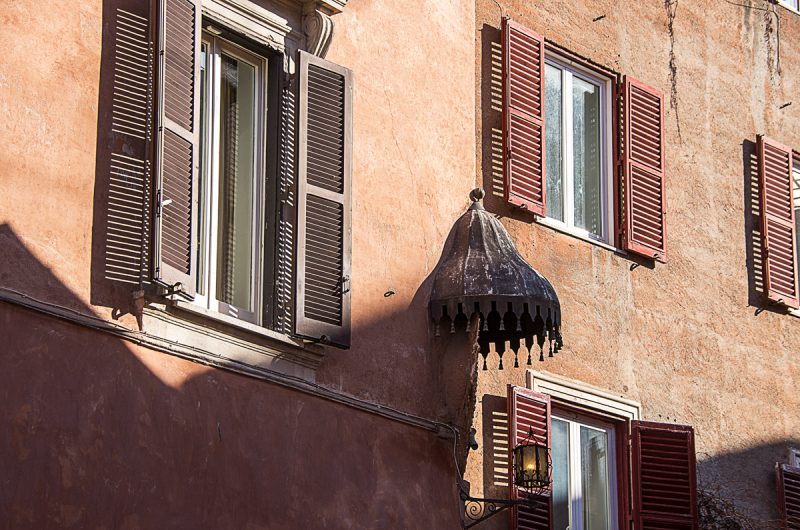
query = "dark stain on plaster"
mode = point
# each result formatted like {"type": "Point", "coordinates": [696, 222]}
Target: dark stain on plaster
{"type": "Point", "coordinates": [746, 14]}
{"type": "Point", "coordinates": [772, 24]}
{"type": "Point", "coordinates": [671, 7]}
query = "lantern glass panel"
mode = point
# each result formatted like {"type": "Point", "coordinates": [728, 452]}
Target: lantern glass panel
{"type": "Point", "coordinates": [531, 465]}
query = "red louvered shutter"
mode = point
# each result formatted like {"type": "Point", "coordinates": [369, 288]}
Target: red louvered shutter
{"type": "Point", "coordinates": [523, 118]}
{"type": "Point", "coordinates": [777, 221]}
{"type": "Point", "coordinates": [643, 170]}
{"type": "Point", "coordinates": [528, 410]}
{"type": "Point", "coordinates": [664, 478]}
{"type": "Point", "coordinates": [178, 144]}
{"type": "Point", "coordinates": [788, 480]}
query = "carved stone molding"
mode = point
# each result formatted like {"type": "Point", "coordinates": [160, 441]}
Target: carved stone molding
{"type": "Point", "coordinates": [318, 27]}
{"type": "Point", "coordinates": [333, 6]}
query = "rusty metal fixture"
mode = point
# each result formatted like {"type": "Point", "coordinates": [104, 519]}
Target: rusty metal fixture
{"type": "Point", "coordinates": [481, 272]}
{"type": "Point", "coordinates": [532, 468]}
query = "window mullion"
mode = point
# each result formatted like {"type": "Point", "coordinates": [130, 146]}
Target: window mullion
{"type": "Point", "coordinates": [576, 504]}
{"type": "Point", "coordinates": [216, 86]}
{"type": "Point", "coordinates": [258, 194]}
{"type": "Point", "coordinates": [796, 206]}
{"type": "Point", "coordinates": [567, 149]}
{"type": "Point", "coordinates": [205, 176]}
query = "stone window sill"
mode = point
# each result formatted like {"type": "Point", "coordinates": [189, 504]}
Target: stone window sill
{"type": "Point", "coordinates": [576, 233]}
{"type": "Point", "coordinates": [214, 334]}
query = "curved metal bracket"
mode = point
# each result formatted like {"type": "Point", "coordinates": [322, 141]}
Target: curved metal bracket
{"type": "Point", "coordinates": [478, 510]}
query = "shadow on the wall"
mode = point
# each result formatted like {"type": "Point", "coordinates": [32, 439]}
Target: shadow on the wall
{"type": "Point", "coordinates": [495, 446]}
{"type": "Point", "coordinates": [756, 294]}
{"type": "Point", "coordinates": [745, 481]}
{"type": "Point", "coordinates": [102, 433]}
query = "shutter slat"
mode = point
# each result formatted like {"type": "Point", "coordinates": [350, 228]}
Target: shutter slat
{"type": "Point", "coordinates": [323, 216]}
{"type": "Point", "coordinates": [528, 410]}
{"type": "Point", "coordinates": [523, 118]}
{"type": "Point", "coordinates": [664, 481]}
{"type": "Point", "coordinates": [777, 222]}
{"type": "Point", "coordinates": [643, 170]}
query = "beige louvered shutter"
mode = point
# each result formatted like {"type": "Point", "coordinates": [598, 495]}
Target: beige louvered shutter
{"type": "Point", "coordinates": [528, 411]}
{"type": "Point", "coordinates": [178, 144]}
{"type": "Point", "coordinates": [129, 170]}
{"type": "Point", "coordinates": [788, 482]}
{"type": "Point", "coordinates": [777, 221]}
{"type": "Point", "coordinates": [664, 476]}
{"type": "Point", "coordinates": [643, 170]}
{"type": "Point", "coordinates": [323, 202]}
{"type": "Point", "coordinates": [524, 179]}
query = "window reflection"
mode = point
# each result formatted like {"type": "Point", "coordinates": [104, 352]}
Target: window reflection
{"type": "Point", "coordinates": [582, 491]}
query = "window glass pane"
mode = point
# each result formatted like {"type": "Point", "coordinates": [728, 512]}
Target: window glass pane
{"type": "Point", "coordinates": [201, 213]}
{"type": "Point", "coordinates": [586, 155]}
{"type": "Point", "coordinates": [560, 456]}
{"type": "Point", "coordinates": [235, 241]}
{"type": "Point", "coordinates": [553, 141]}
{"type": "Point", "coordinates": [594, 479]}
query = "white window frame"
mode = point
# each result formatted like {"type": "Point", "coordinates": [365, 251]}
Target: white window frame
{"type": "Point", "coordinates": [594, 401]}
{"type": "Point", "coordinates": [210, 180]}
{"type": "Point", "coordinates": [575, 423]}
{"type": "Point", "coordinates": [788, 6]}
{"type": "Point", "coordinates": [570, 69]}
{"type": "Point", "coordinates": [796, 206]}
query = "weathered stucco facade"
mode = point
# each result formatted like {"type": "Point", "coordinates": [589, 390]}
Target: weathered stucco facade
{"type": "Point", "coordinates": [104, 431]}
{"type": "Point", "coordinates": [691, 340]}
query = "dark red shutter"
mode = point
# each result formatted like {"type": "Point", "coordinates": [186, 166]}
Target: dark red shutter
{"type": "Point", "coordinates": [528, 410]}
{"type": "Point", "coordinates": [178, 144]}
{"type": "Point", "coordinates": [788, 480]}
{"type": "Point", "coordinates": [643, 170]}
{"type": "Point", "coordinates": [664, 479]}
{"type": "Point", "coordinates": [523, 118]}
{"type": "Point", "coordinates": [777, 221]}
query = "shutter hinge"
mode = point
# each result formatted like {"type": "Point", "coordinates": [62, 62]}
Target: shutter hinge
{"type": "Point", "coordinates": [343, 284]}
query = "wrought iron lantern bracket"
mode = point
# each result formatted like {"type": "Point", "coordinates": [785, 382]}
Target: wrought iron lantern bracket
{"type": "Point", "coordinates": [478, 510]}
{"type": "Point", "coordinates": [534, 477]}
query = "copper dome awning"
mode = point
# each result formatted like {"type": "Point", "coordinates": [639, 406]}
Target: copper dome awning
{"type": "Point", "coordinates": [482, 273]}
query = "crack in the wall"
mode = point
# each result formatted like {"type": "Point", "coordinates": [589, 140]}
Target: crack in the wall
{"type": "Point", "coordinates": [671, 7]}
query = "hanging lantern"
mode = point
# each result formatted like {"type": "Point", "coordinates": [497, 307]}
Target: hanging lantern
{"type": "Point", "coordinates": [532, 464]}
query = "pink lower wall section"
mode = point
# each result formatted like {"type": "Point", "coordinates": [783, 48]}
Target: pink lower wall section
{"type": "Point", "coordinates": [99, 433]}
